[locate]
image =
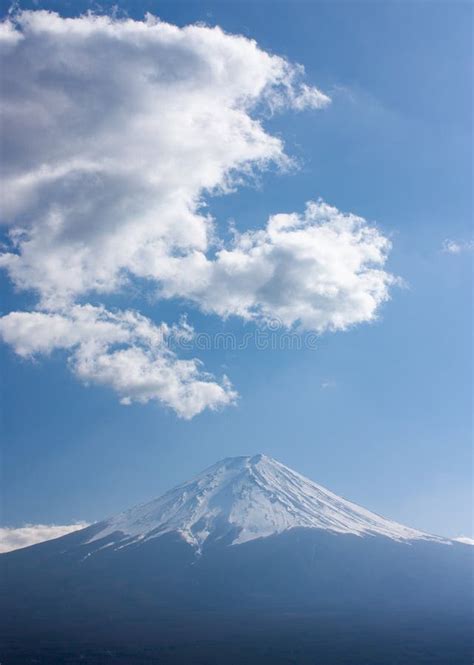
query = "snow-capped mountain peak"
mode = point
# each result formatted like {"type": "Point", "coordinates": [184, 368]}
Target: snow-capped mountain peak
{"type": "Point", "coordinates": [244, 498]}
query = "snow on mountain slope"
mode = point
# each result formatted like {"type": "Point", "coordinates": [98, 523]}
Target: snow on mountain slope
{"type": "Point", "coordinates": [243, 498]}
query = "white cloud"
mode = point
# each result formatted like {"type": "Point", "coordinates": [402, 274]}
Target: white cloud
{"type": "Point", "coordinates": [13, 538]}
{"type": "Point", "coordinates": [322, 270]}
{"type": "Point", "coordinates": [115, 132]}
{"type": "Point", "coordinates": [457, 246]}
{"type": "Point", "coordinates": [464, 539]}
{"type": "Point", "coordinates": [122, 350]}
{"type": "Point", "coordinates": [328, 384]}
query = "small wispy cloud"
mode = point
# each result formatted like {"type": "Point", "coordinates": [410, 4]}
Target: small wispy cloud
{"type": "Point", "coordinates": [464, 539]}
{"type": "Point", "coordinates": [329, 383]}
{"type": "Point", "coordinates": [457, 246]}
{"type": "Point", "coordinates": [14, 538]}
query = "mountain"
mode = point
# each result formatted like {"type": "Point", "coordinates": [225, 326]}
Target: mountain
{"type": "Point", "coordinates": [243, 498]}
{"type": "Point", "coordinates": [249, 562]}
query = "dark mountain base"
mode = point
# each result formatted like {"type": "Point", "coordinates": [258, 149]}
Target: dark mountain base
{"type": "Point", "coordinates": [305, 597]}
{"type": "Point", "coordinates": [305, 640]}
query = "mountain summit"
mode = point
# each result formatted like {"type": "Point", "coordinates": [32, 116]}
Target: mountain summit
{"type": "Point", "coordinates": [243, 498]}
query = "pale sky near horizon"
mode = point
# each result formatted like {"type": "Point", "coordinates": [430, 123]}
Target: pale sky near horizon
{"type": "Point", "coordinates": [182, 204]}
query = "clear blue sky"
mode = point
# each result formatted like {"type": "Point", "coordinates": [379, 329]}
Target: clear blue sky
{"type": "Point", "coordinates": [380, 414]}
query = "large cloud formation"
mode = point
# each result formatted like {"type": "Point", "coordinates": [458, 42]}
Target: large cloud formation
{"type": "Point", "coordinates": [114, 133]}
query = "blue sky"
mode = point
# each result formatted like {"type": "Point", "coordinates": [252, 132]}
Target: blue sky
{"type": "Point", "coordinates": [381, 412]}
